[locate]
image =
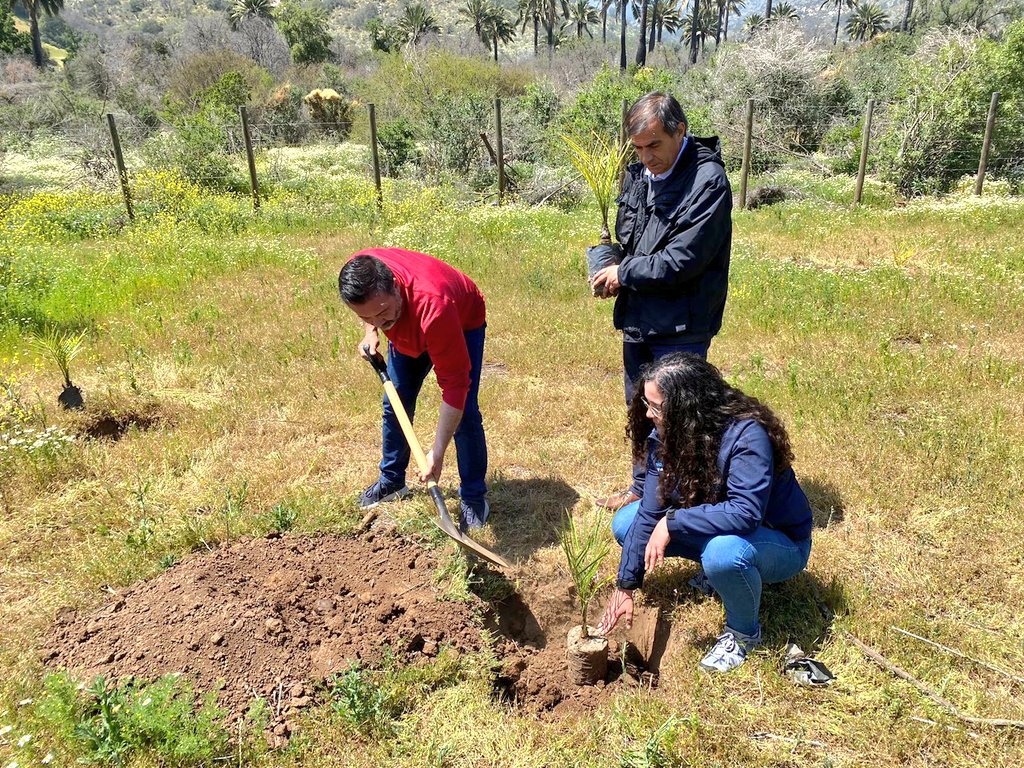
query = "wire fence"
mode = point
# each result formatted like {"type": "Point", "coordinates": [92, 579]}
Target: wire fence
{"type": "Point", "coordinates": [494, 154]}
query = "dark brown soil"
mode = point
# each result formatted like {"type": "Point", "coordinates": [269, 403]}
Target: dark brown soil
{"type": "Point", "coordinates": [275, 616]}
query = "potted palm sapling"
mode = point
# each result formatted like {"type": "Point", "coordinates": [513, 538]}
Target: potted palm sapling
{"type": "Point", "coordinates": [585, 547]}
{"type": "Point", "coordinates": [600, 163]}
{"type": "Point", "coordinates": [63, 348]}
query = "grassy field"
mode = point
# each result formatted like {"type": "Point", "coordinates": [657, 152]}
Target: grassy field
{"type": "Point", "coordinates": [890, 338]}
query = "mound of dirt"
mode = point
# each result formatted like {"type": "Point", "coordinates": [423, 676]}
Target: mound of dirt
{"type": "Point", "coordinates": [268, 617]}
{"type": "Point", "coordinates": [273, 617]}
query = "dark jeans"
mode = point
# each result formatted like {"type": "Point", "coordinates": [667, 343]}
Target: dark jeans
{"type": "Point", "coordinates": [408, 374]}
{"type": "Point", "coordinates": [637, 354]}
{"type": "Point", "coordinates": [736, 565]}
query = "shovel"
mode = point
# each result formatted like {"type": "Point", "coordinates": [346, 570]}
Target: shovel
{"type": "Point", "coordinates": [447, 526]}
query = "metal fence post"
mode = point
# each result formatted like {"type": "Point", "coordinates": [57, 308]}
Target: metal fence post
{"type": "Point", "coordinates": [865, 143]}
{"type": "Point", "coordinates": [500, 150]}
{"type": "Point", "coordinates": [376, 155]}
{"type": "Point", "coordinates": [253, 183]}
{"type": "Point", "coordinates": [747, 138]}
{"type": "Point", "coordinates": [122, 172]}
{"type": "Point", "coordinates": [987, 145]}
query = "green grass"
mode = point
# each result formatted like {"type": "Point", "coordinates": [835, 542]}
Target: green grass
{"type": "Point", "coordinates": [891, 339]}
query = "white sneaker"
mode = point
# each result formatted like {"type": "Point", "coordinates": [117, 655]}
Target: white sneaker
{"type": "Point", "coordinates": [730, 650]}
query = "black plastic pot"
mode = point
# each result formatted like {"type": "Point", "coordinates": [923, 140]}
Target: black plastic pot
{"type": "Point", "coordinates": [71, 398]}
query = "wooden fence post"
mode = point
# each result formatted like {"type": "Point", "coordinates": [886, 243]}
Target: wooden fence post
{"type": "Point", "coordinates": [747, 138]}
{"type": "Point", "coordinates": [376, 155]}
{"type": "Point", "coordinates": [500, 150]}
{"type": "Point", "coordinates": [122, 172]}
{"type": "Point", "coordinates": [987, 145]}
{"type": "Point", "coordinates": [623, 137]}
{"type": "Point", "coordinates": [864, 145]}
{"type": "Point", "coordinates": [253, 183]}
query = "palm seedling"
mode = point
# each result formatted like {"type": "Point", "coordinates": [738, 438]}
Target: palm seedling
{"type": "Point", "coordinates": [600, 163]}
{"type": "Point", "coordinates": [63, 347]}
{"type": "Point", "coordinates": [585, 548]}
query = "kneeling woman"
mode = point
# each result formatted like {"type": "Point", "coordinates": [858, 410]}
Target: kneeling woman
{"type": "Point", "coordinates": [719, 490]}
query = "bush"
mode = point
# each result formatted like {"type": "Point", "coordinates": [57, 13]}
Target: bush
{"type": "Point", "coordinates": [397, 144]}
{"type": "Point", "coordinates": [597, 108]}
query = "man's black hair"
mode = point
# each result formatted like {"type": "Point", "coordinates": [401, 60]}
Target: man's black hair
{"type": "Point", "coordinates": [364, 277]}
{"type": "Point", "coordinates": [655, 106]}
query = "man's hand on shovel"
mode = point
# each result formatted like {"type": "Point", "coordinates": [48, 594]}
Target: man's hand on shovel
{"type": "Point", "coordinates": [434, 467]}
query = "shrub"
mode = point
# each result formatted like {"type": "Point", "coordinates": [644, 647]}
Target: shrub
{"type": "Point", "coordinates": [597, 108]}
{"type": "Point", "coordinates": [397, 144]}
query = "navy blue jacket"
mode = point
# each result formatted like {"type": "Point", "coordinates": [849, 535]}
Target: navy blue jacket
{"type": "Point", "coordinates": [751, 495]}
{"type": "Point", "coordinates": [676, 243]}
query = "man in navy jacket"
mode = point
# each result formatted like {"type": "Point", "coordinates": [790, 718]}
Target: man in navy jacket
{"type": "Point", "coordinates": [675, 226]}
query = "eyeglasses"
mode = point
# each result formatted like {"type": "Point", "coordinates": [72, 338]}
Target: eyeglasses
{"type": "Point", "coordinates": [655, 409]}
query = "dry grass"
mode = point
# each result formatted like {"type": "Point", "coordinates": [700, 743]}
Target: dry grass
{"type": "Point", "coordinates": [899, 378]}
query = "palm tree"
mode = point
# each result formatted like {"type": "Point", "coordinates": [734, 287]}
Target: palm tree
{"type": "Point", "coordinates": [475, 11]}
{"type": "Point", "coordinates": [641, 51]}
{"type": "Point", "coordinates": [731, 6]}
{"type": "Point", "coordinates": [768, 10]}
{"type": "Point", "coordinates": [866, 21]}
{"type": "Point", "coordinates": [695, 20]}
{"type": "Point", "coordinates": [670, 20]}
{"type": "Point", "coordinates": [531, 10]}
{"type": "Point", "coordinates": [753, 22]}
{"type": "Point", "coordinates": [605, 7]}
{"type": "Point", "coordinates": [417, 22]}
{"type": "Point", "coordinates": [623, 5]}
{"type": "Point", "coordinates": [908, 9]}
{"type": "Point", "coordinates": [244, 9]}
{"type": "Point", "coordinates": [32, 8]}
{"type": "Point", "coordinates": [497, 27]}
{"type": "Point", "coordinates": [582, 14]}
{"type": "Point", "coordinates": [785, 11]}
{"type": "Point", "coordinates": [840, 5]}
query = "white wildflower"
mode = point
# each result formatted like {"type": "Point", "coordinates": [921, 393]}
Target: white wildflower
{"type": "Point", "coordinates": [24, 702]}
{"type": "Point", "coordinates": [48, 759]}
{"type": "Point", "coordinates": [24, 739]}
{"type": "Point", "coordinates": [6, 729]}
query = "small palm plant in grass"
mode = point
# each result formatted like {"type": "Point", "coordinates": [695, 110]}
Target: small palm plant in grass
{"type": "Point", "coordinates": [586, 546]}
{"type": "Point", "coordinates": [63, 347]}
{"type": "Point", "coordinates": [599, 161]}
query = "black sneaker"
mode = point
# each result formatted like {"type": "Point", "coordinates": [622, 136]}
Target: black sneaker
{"type": "Point", "coordinates": [378, 493]}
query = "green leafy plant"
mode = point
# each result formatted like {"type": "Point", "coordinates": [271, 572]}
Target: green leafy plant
{"type": "Point", "coordinates": [653, 754]}
{"type": "Point", "coordinates": [112, 724]}
{"type": "Point", "coordinates": [63, 347]}
{"type": "Point", "coordinates": [360, 701]}
{"type": "Point", "coordinates": [600, 163]}
{"type": "Point", "coordinates": [585, 546]}
{"type": "Point", "coordinates": [282, 517]}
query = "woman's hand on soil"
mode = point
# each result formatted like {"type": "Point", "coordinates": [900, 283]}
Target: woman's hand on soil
{"type": "Point", "coordinates": [654, 555]}
{"type": "Point", "coordinates": [619, 607]}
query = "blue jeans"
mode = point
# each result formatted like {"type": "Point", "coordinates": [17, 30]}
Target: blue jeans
{"type": "Point", "coordinates": [407, 374]}
{"type": "Point", "coordinates": [637, 354]}
{"type": "Point", "coordinates": [735, 565]}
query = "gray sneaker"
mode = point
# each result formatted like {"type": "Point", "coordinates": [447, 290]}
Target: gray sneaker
{"type": "Point", "coordinates": [473, 514]}
{"type": "Point", "coordinates": [378, 493]}
{"type": "Point", "coordinates": [730, 651]}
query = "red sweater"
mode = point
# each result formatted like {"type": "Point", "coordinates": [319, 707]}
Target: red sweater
{"type": "Point", "coordinates": [439, 304]}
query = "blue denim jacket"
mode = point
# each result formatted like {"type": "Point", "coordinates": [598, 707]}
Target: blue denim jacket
{"type": "Point", "coordinates": [751, 495]}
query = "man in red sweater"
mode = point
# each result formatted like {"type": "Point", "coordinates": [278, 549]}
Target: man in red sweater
{"type": "Point", "coordinates": [433, 317]}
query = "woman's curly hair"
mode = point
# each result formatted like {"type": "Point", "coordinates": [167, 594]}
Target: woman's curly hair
{"type": "Point", "coordinates": [698, 407]}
